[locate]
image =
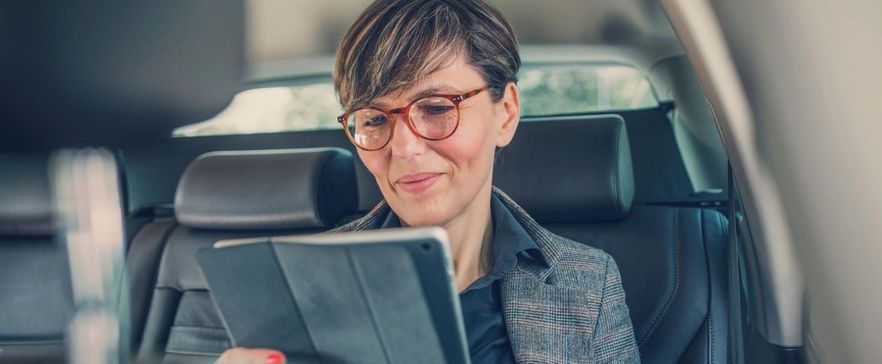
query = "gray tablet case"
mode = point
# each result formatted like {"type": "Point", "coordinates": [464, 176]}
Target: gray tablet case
{"type": "Point", "coordinates": [382, 296]}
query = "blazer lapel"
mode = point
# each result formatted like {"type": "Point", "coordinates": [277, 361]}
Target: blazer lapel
{"type": "Point", "coordinates": [546, 323]}
{"type": "Point", "coordinates": [549, 317]}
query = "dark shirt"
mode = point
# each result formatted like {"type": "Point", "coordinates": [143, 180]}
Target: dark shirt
{"type": "Point", "coordinates": [481, 302]}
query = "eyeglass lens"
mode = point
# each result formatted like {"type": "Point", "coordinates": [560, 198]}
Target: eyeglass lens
{"type": "Point", "coordinates": [432, 118]}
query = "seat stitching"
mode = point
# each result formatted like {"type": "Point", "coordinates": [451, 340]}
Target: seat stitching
{"type": "Point", "coordinates": [710, 314]}
{"type": "Point", "coordinates": [614, 176]}
{"type": "Point", "coordinates": [154, 277]}
{"type": "Point", "coordinates": [673, 293]}
{"type": "Point", "coordinates": [710, 331]}
{"type": "Point", "coordinates": [316, 193]}
{"type": "Point", "coordinates": [724, 227]}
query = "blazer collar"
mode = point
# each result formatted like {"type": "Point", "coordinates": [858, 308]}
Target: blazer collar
{"type": "Point", "coordinates": [544, 239]}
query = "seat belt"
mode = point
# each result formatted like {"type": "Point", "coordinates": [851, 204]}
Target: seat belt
{"type": "Point", "coordinates": [735, 347]}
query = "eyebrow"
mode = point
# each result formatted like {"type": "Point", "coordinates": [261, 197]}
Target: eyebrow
{"type": "Point", "coordinates": [434, 89]}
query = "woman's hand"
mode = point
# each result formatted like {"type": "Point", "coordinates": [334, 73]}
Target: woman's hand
{"type": "Point", "coordinates": [251, 356]}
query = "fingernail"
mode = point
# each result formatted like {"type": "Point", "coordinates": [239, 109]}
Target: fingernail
{"type": "Point", "coordinates": [275, 358]}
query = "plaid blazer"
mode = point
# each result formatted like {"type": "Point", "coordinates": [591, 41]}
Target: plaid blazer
{"type": "Point", "coordinates": [571, 311]}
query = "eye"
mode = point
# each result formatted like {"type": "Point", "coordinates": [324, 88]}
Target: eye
{"type": "Point", "coordinates": [436, 109]}
{"type": "Point", "coordinates": [375, 121]}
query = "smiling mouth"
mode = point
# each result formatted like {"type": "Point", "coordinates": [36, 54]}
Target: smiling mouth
{"type": "Point", "coordinates": [419, 182]}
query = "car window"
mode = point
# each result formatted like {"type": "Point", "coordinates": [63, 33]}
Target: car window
{"type": "Point", "coordinates": [271, 110]}
{"type": "Point", "coordinates": [583, 89]}
{"type": "Point", "coordinates": [545, 90]}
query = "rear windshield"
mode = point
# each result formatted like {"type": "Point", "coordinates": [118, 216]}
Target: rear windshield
{"type": "Point", "coordinates": [552, 90]}
{"type": "Point", "coordinates": [545, 90]}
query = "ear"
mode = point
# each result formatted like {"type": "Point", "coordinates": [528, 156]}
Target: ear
{"type": "Point", "coordinates": [510, 110]}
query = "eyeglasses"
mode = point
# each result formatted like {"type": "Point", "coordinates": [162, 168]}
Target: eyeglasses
{"type": "Point", "coordinates": [433, 117]}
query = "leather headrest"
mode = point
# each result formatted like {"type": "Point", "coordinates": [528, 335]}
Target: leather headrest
{"type": "Point", "coordinates": [569, 169]}
{"type": "Point", "coordinates": [25, 196]}
{"type": "Point", "coordinates": [272, 189]}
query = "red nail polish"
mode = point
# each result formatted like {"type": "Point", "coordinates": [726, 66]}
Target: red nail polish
{"type": "Point", "coordinates": [275, 358]}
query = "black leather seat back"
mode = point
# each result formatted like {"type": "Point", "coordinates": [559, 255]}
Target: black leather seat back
{"type": "Point", "coordinates": [36, 301]}
{"type": "Point", "coordinates": [234, 195]}
{"type": "Point", "coordinates": [148, 230]}
{"type": "Point", "coordinates": [573, 174]}
{"type": "Point", "coordinates": [673, 267]}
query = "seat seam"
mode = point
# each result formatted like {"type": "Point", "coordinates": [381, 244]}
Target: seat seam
{"type": "Point", "coordinates": [316, 193]}
{"type": "Point", "coordinates": [166, 236]}
{"type": "Point", "coordinates": [724, 228]}
{"type": "Point", "coordinates": [710, 331]}
{"type": "Point", "coordinates": [154, 280]}
{"type": "Point", "coordinates": [615, 174]}
{"type": "Point", "coordinates": [710, 314]}
{"type": "Point", "coordinates": [673, 293]}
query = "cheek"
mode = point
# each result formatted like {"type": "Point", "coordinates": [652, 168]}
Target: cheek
{"type": "Point", "coordinates": [482, 136]}
{"type": "Point", "coordinates": [376, 162]}
{"type": "Point", "coordinates": [473, 150]}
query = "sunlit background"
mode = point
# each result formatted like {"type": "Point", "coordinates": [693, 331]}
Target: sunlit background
{"type": "Point", "coordinates": [289, 40]}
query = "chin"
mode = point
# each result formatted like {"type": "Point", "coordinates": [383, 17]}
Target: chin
{"type": "Point", "coordinates": [419, 214]}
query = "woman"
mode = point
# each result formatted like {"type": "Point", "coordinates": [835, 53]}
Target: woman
{"type": "Point", "coordinates": [429, 89]}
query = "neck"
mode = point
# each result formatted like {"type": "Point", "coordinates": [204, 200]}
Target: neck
{"type": "Point", "coordinates": [471, 234]}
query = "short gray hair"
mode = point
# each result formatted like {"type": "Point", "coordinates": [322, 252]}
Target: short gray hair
{"type": "Point", "coordinates": [395, 43]}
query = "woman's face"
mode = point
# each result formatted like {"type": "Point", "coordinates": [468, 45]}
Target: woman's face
{"type": "Point", "coordinates": [433, 182]}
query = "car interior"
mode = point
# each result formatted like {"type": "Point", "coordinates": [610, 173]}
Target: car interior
{"type": "Point", "coordinates": [648, 184]}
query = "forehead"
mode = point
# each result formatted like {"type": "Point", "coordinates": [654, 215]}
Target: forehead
{"type": "Point", "coordinates": [454, 77]}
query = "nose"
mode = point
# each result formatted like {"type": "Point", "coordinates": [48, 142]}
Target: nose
{"type": "Point", "coordinates": [405, 143]}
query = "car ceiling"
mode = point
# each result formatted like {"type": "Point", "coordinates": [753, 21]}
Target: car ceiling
{"type": "Point", "coordinates": [108, 97]}
{"type": "Point", "coordinates": [279, 30]}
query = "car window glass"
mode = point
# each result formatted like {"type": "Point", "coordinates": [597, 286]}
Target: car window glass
{"type": "Point", "coordinates": [581, 89]}
{"type": "Point", "coordinates": [545, 90]}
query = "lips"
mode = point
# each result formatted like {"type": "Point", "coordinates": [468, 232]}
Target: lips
{"type": "Point", "coordinates": [417, 182]}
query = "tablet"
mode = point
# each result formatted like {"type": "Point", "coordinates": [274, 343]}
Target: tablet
{"type": "Point", "coordinates": [380, 296]}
